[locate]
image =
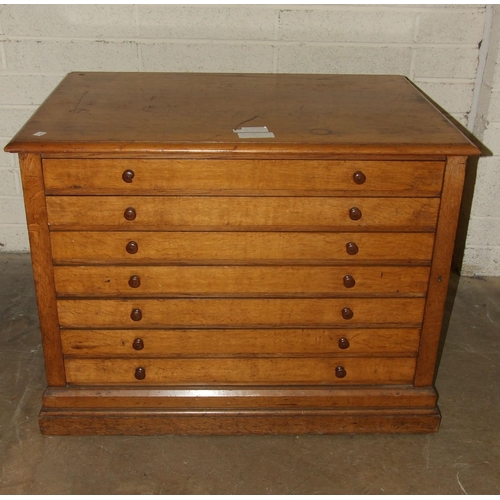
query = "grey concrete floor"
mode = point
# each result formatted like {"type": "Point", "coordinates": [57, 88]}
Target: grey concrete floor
{"type": "Point", "coordinates": [463, 457]}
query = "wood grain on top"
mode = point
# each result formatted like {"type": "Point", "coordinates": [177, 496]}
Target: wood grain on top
{"type": "Point", "coordinates": [197, 112]}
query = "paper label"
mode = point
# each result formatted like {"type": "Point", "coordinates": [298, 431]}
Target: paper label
{"type": "Point", "coordinates": [257, 130]}
{"type": "Point", "coordinates": [253, 133]}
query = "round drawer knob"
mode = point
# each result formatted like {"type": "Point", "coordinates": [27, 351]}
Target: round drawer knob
{"type": "Point", "coordinates": [132, 247]}
{"type": "Point", "coordinates": [359, 177]}
{"type": "Point", "coordinates": [352, 248]}
{"type": "Point", "coordinates": [138, 344]}
{"type": "Point", "coordinates": [130, 213]}
{"type": "Point", "coordinates": [349, 281]}
{"type": "Point", "coordinates": [134, 281]}
{"type": "Point", "coordinates": [347, 313]}
{"type": "Point", "coordinates": [340, 372]}
{"type": "Point", "coordinates": [136, 315]}
{"type": "Point", "coordinates": [355, 213]}
{"type": "Point", "coordinates": [343, 343]}
{"type": "Point", "coordinates": [128, 175]}
{"type": "Point", "coordinates": [140, 373]}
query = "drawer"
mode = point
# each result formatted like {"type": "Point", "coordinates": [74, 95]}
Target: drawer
{"type": "Point", "coordinates": [242, 213]}
{"type": "Point", "coordinates": [204, 343]}
{"type": "Point", "coordinates": [257, 177]}
{"type": "Point", "coordinates": [253, 371]}
{"type": "Point", "coordinates": [238, 247]}
{"type": "Point", "coordinates": [351, 280]}
{"type": "Point", "coordinates": [238, 312]}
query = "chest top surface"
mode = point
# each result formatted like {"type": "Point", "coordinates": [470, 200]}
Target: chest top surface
{"type": "Point", "coordinates": [162, 112]}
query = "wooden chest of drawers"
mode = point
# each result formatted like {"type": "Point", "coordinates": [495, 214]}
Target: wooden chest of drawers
{"type": "Point", "coordinates": [195, 275]}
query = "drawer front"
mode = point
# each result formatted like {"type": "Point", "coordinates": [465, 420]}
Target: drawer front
{"type": "Point", "coordinates": [252, 371]}
{"type": "Point", "coordinates": [142, 313]}
{"type": "Point", "coordinates": [124, 281]}
{"type": "Point", "coordinates": [279, 342]}
{"type": "Point", "coordinates": [242, 213]}
{"type": "Point", "coordinates": [257, 177]}
{"type": "Point", "coordinates": [239, 247]}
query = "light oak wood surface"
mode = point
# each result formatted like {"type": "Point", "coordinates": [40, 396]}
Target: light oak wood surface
{"type": "Point", "coordinates": [239, 247]}
{"type": "Point", "coordinates": [87, 371]}
{"type": "Point", "coordinates": [440, 273]}
{"type": "Point", "coordinates": [308, 114]}
{"type": "Point", "coordinates": [247, 177]}
{"type": "Point", "coordinates": [133, 281]}
{"type": "Point", "coordinates": [227, 422]}
{"type": "Point", "coordinates": [241, 213]}
{"type": "Point", "coordinates": [231, 397]}
{"type": "Point", "coordinates": [36, 217]}
{"type": "Point", "coordinates": [238, 312]}
{"type": "Point", "coordinates": [264, 342]}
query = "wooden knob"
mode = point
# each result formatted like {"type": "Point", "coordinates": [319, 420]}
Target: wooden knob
{"type": "Point", "coordinates": [347, 313]}
{"type": "Point", "coordinates": [134, 281]}
{"type": "Point", "coordinates": [138, 344]}
{"type": "Point", "coordinates": [343, 343]}
{"type": "Point", "coordinates": [140, 373]}
{"type": "Point", "coordinates": [130, 213]}
{"type": "Point", "coordinates": [349, 281]}
{"type": "Point", "coordinates": [359, 177]}
{"type": "Point", "coordinates": [128, 175]}
{"type": "Point", "coordinates": [340, 372]}
{"type": "Point", "coordinates": [352, 248]}
{"type": "Point", "coordinates": [132, 247]}
{"type": "Point", "coordinates": [355, 213]}
{"type": "Point", "coordinates": [136, 315]}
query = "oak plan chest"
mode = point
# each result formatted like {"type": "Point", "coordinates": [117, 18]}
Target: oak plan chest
{"type": "Point", "coordinates": [238, 253]}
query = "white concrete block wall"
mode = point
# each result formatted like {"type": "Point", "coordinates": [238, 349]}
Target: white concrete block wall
{"type": "Point", "coordinates": [482, 251]}
{"type": "Point", "coordinates": [437, 47]}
